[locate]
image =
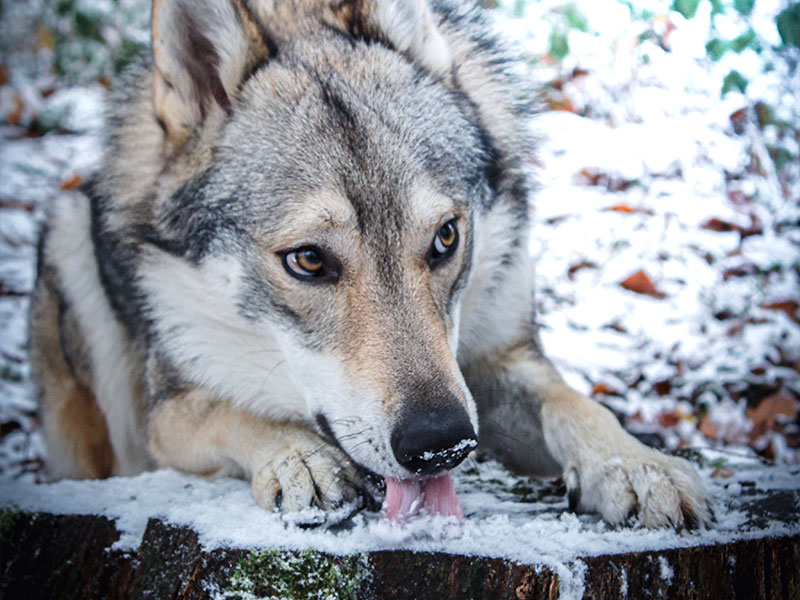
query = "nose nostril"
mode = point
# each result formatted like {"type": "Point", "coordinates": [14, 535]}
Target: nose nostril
{"type": "Point", "coordinates": [434, 440]}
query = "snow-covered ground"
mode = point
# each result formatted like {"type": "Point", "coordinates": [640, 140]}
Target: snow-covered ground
{"type": "Point", "coordinates": [650, 177]}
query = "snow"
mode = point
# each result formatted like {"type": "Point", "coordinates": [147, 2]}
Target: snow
{"type": "Point", "coordinates": [665, 570]}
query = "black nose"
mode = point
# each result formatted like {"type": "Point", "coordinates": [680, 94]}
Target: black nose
{"type": "Point", "coordinates": [425, 441]}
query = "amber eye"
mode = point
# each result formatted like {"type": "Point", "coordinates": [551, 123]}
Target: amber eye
{"type": "Point", "coordinates": [310, 263]}
{"type": "Point", "coordinates": [444, 244]}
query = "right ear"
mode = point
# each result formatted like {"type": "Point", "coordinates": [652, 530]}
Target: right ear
{"type": "Point", "coordinates": [408, 26]}
{"type": "Point", "coordinates": [202, 50]}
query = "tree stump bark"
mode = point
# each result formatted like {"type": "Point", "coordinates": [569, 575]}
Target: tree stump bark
{"type": "Point", "coordinates": [47, 556]}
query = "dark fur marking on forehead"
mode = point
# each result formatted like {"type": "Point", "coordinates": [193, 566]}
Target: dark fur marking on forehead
{"type": "Point", "coordinates": [369, 192]}
{"type": "Point", "coordinates": [339, 109]}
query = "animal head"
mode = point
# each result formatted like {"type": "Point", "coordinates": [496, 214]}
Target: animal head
{"type": "Point", "coordinates": [315, 222]}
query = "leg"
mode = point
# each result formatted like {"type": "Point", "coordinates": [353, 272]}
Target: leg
{"type": "Point", "coordinates": [75, 429]}
{"type": "Point", "coordinates": [531, 420]}
{"type": "Point", "coordinates": [288, 465]}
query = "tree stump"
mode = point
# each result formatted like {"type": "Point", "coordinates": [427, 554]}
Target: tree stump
{"type": "Point", "coordinates": [69, 556]}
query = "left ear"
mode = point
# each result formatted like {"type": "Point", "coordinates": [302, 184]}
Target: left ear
{"type": "Point", "coordinates": [202, 49]}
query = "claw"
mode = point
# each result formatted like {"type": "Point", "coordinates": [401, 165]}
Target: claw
{"type": "Point", "coordinates": [573, 489]}
{"type": "Point", "coordinates": [690, 519]}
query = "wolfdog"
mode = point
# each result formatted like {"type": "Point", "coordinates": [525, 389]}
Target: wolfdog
{"type": "Point", "coordinates": [305, 261]}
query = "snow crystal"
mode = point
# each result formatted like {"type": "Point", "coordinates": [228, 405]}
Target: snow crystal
{"type": "Point", "coordinates": [665, 570]}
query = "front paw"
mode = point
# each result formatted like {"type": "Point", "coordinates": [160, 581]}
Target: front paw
{"type": "Point", "coordinates": [310, 481]}
{"type": "Point", "coordinates": [661, 490]}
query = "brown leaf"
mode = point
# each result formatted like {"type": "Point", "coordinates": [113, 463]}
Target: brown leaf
{"type": "Point", "coordinates": [15, 115]}
{"type": "Point", "coordinates": [764, 415]}
{"type": "Point", "coordinates": [714, 224]}
{"type": "Point", "coordinates": [640, 283]}
{"type": "Point", "coordinates": [17, 204]}
{"type": "Point", "coordinates": [707, 428]}
{"type": "Point", "coordinates": [593, 178]}
{"type": "Point", "coordinates": [561, 104]}
{"type": "Point", "coordinates": [623, 208]}
{"type": "Point", "coordinates": [602, 388]}
{"type": "Point", "coordinates": [662, 388]}
{"type": "Point", "coordinates": [668, 419]}
{"type": "Point", "coordinates": [71, 183]}
{"type": "Point", "coordinates": [3, 74]}
{"type": "Point", "coordinates": [739, 198]}
{"type": "Point", "coordinates": [722, 472]}
{"type": "Point", "coordinates": [738, 120]}
{"type": "Point", "coordinates": [741, 271]}
{"type": "Point", "coordinates": [616, 326]}
{"type": "Point", "coordinates": [584, 264]}
{"type": "Point", "coordinates": [788, 306]}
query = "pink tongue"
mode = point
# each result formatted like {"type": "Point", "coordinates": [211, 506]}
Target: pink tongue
{"type": "Point", "coordinates": [434, 496]}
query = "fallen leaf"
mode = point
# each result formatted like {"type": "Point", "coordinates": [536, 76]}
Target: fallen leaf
{"type": "Point", "coordinates": [561, 103]}
{"type": "Point", "coordinates": [739, 198]}
{"type": "Point", "coordinates": [640, 283]}
{"type": "Point", "coordinates": [718, 225]}
{"type": "Point", "coordinates": [623, 208]}
{"type": "Point", "coordinates": [584, 264]}
{"type": "Point", "coordinates": [763, 416]}
{"type": "Point", "coordinates": [788, 306]}
{"type": "Point", "coordinates": [722, 472]}
{"type": "Point", "coordinates": [71, 183]}
{"type": "Point", "coordinates": [668, 420]}
{"type": "Point", "coordinates": [739, 120]}
{"type": "Point", "coordinates": [714, 224]}
{"type": "Point", "coordinates": [741, 271]}
{"type": "Point", "coordinates": [602, 388]}
{"type": "Point", "coordinates": [707, 428]}
{"type": "Point", "coordinates": [662, 388]}
{"type": "Point", "coordinates": [15, 115]}
{"type": "Point", "coordinates": [17, 204]}
{"type": "Point", "coordinates": [616, 326]}
{"type": "Point", "coordinates": [3, 74]}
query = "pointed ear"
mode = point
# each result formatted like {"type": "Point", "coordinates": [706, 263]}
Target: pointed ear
{"type": "Point", "coordinates": [409, 26]}
{"type": "Point", "coordinates": [202, 49]}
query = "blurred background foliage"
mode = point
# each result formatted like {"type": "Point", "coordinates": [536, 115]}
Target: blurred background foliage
{"type": "Point", "coordinates": [86, 39]}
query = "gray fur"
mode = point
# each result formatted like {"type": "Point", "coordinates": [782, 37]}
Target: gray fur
{"type": "Point", "coordinates": [359, 128]}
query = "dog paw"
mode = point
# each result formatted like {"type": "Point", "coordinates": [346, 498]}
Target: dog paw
{"type": "Point", "coordinates": [659, 490]}
{"type": "Point", "coordinates": [310, 481]}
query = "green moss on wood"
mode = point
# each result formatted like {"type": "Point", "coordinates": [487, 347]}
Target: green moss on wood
{"type": "Point", "coordinates": [285, 575]}
{"type": "Point", "coordinates": [8, 519]}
